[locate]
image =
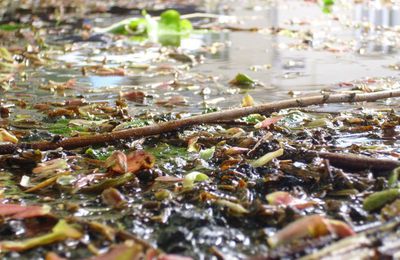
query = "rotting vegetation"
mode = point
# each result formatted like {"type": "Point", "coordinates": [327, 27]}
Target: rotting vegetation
{"type": "Point", "coordinates": [88, 177]}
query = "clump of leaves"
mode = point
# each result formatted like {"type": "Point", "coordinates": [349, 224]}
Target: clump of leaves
{"type": "Point", "coordinates": [244, 81]}
{"type": "Point", "coordinates": [167, 29]}
{"type": "Point", "coordinates": [327, 5]}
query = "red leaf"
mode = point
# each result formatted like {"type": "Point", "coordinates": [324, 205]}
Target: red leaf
{"type": "Point", "coordinates": [132, 162]}
{"type": "Point", "coordinates": [285, 198]}
{"type": "Point", "coordinates": [17, 211]}
{"type": "Point", "coordinates": [310, 226]}
{"type": "Point", "coordinates": [137, 96]}
{"type": "Point", "coordinates": [268, 122]}
{"type": "Point", "coordinates": [173, 257]}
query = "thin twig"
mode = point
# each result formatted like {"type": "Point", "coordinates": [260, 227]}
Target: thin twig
{"type": "Point", "coordinates": [82, 141]}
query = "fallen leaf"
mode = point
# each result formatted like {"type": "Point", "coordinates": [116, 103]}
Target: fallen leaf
{"type": "Point", "coordinates": [136, 96]}
{"type": "Point", "coordinates": [168, 179]}
{"type": "Point", "coordinates": [285, 198]}
{"type": "Point", "coordinates": [110, 72]}
{"type": "Point", "coordinates": [132, 162]}
{"type": "Point", "coordinates": [310, 226]}
{"type": "Point", "coordinates": [6, 136]}
{"type": "Point", "coordinates": [17, 211]}
{"type": "Point", "coordinates": [61, 231]}
{"type": "Point", "coordinates": [127, 251]}
{"type": "Point", "coordinates": [247, 101]}
{"type": "Point", "coordinates": [263, 160]}
{"type": "Point", "coordinates": [265, 124]}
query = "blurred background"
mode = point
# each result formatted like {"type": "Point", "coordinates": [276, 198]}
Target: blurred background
{"type": "Point", "coordinates": [298, 46]}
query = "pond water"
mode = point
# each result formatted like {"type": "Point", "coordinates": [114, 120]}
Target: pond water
{"type": "Point", "coordinates": [292, 48]}
{"type": "Point", "coordinates": [311, 53]}
{"type": "Point", "coordinates": [298, 50]}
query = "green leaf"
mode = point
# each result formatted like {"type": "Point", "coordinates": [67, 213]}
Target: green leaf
{"type": "Point", "coordinates": [137, 27]}
{"type": "Point", "coordinates": [61, 231]}
{"type": "Point", "coordinates": [5, 54]}
{"type": "Point", "coordinates": [263, 160]}
{"type": "Point", "coordinates": [99, 154]}
{"type": "Point", "coordinates": [136, 122]}
{"type": "Point", "coordinates": [379, 199]}
{"type": "Point", "coordinates": [242, 79]}
{"type": "Point", "coordinates": [62, 127]}
{"type": "Point", "coordinates": [170, 22]}
{"type": "Point", "coordinates": [393, 180]}
{"type": "Point", "coordinates": [108, 183]}
{"type": "Point", "coordinates": [329, 2]}
{"type": "Point", "coordinates": [9, 27]}
{"type": "Point", "coordinates": [168, 30]}
{"type": "Point", "coordinates": [253, 118]}
{"type": "Point", "coordinates": [207, 154]}
{"type": "Point", "coordinates": [191, 178]}
{"type": "Point", "coordinates": [165, 151]}
{"type": "Point", "coordinates": [327, 6]}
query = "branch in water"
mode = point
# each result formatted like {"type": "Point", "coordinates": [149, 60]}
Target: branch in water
{"type": "Point", "coordinates": [358, 162]}
{"type": "Point", "coordinates": [82, 141]}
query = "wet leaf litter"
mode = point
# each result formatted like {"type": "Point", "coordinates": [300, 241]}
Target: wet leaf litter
{"type": "Point", "coordinates": [138, 134]}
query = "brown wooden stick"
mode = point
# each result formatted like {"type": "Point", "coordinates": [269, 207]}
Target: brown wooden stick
{"type": "Point", "coordinates": [82, 141]}
{"type": "Point", "coordinates": [358, 162]}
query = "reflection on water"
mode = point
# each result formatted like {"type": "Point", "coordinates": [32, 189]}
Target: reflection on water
{"type": "Point", "coordinates": [374, 38]}
{"type": "Point", "coordinates": [377, 14]}
{"type": "Point", "coordinates": [361, 51]}
{"type": "Point", "coordinates": [321, 53]}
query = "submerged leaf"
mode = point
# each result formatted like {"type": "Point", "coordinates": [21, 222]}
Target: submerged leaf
{"type": "Point", "coordinates": [168, 179]}
{"type": "Point", "coordinates": [235, 207]}
{"type": "Point", "coordinates": [207, 154]}
{"type": "Point", "coordinates": [17, 211]}
{"type": "Point", "coordinates": [242, 80]}
{"type": "Point", "coordinates": [5, 54]}
{"type": "Point", "coordinates": [61, 231]}
{"type": "Point", "coordinates": [247, 101]}
{"type": "Point", "coordinates": [127, 251]}
{"type": "Point", "coordinates": [310, 226]}
{"type": "Point", "coordinates": [379, 199]}
{"type": "Point", "coordinates": [393, 180]}
{"type": "Point", "coordinates": [285, 198]}
{"type": "Point", "coordinates": [263, 160]}
{"type": "Point", "coordinates": [6, 136]}
{"type": "Point", "coordinates": [50, 167]}
{"type": "Point", "coordinates": [113, 198]}
{"type": "Point", "coordinates": [268, 122]}
{"type": "Point", "coordinates": [108, 183]}
{"type": "Point", "coordinates": [132, 162]}
{"type": "Point", "coordinates": [117, 162]}
{"type": "Point", "coordinates": [173, 257]}
{"type": "Point", "coordinates": [46, 183]}
{"type": "Point", "coordinates": [11, 27]}
{"type": "Point", "coordinates": [191, 178]}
